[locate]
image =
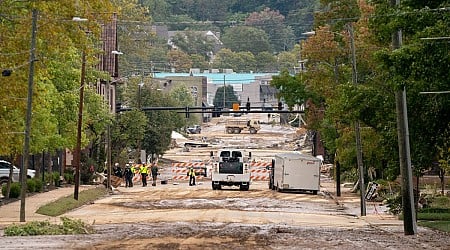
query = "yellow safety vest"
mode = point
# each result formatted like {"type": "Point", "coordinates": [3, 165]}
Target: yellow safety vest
{"type": "Point", "coordinates": [191, 172]}
{"type": "Point", "coordinates": [144, 169]}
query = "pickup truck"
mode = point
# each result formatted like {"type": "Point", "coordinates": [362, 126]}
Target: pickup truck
{"type": "Point", "coordinates": [4, 172]}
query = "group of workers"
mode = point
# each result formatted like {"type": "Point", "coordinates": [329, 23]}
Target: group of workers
{"type": "Point", "coordinates": [131, 170]}
{"type": "Point", "coordinates": [145, 170]}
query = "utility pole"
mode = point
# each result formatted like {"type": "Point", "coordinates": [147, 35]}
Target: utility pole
{"type": "Point", "coordinates": [409, 214]}
{"type": "Point", "coordinates": [224, 87]}
{"type": "Point", "coordinates": [77, 157]}
{"type": "Point", "coordinates": [108, 138]}
{"type": "Point", "coordinates": [359, 159]}
{"type": "Point", "coordinates": [26, 147]}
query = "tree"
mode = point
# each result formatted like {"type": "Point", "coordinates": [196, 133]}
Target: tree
{"type": "Point", "coordinates": [230, 97]}
{"type": "Point", "coordinates": [281, 37]}
{"type": "Point", "coordinates": [420, 65]}
{"type": "Point", "coordinates": [179, 60]}
{"type": "Point", "coordinates": [224, 59]}
{"type": "Point", "coordinates": [245, 38]}
{"type": "Point", "coordinates": [290, 88]}
{"type": "Point", "coordinates": [265, 62]}
{"type": "Point", "coordinates": [56, 77]}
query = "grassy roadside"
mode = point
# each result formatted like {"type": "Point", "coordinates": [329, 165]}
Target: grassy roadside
{"type": "Point", "coordinates": [67, 203]}
{"type": "Point", "coordinates": [438, 225]}
{"type": "Point", "coordinates": [434, 219]}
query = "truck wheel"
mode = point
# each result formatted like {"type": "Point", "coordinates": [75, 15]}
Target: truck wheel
{"type": "Point", "coordinates": [229, 130]}
{"type": "Point", "coordinates": [237, 130]}
{"type": "Point", "coordinates": [314, 192]}
{"type": "Point", "coordinates": [252, 131]}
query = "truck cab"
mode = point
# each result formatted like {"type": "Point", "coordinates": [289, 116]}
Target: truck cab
{"type": "Point", "coordinates": [230, 168]}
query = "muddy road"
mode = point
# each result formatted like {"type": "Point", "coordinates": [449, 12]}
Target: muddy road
{"type": "Point", "coordinates": [196, 217]}
{"type": "Point", "coordinates": [179, 216]}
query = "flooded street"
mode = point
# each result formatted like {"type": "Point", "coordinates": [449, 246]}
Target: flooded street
{"type": "Point", "coordinates": [178, 216]}
{"type": "Point", "coordinates": [196, 217]}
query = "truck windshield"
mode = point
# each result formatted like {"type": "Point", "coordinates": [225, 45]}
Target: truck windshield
{"type": "Point", "coordinates": [231, 168]}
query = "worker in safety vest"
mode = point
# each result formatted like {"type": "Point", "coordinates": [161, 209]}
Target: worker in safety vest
{"type": "Point", "coordinates": [191, 174]}
{"type": "Point", "coordinates": [133, 169]}
{"type": "Point", "coordinates": [144, 173]}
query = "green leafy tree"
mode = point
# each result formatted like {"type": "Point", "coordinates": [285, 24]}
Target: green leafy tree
{"type": "Point", "coordinates": [193, 42]}
{"type": "Point", "coordinates": [229, 98]}
{"type": "Point", "coordinates": [419, 65]}
{"type": "Point", "coordinates": [281, 37]}
{"type": "Point", "coordinates": [265, 62]}
{"type": "Point", "coordinates": [224, 59]}
{"type": "Point", "coordinates": [290, 88]}
{"type": "Point", "coordinates": [198, 61]}
{"type": "Point", "coordinates": [245, 38]}
{"type": "Point", "coordinates": [179, 60]}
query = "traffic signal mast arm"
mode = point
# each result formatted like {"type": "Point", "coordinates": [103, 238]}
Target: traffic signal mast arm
{"type": "Point", "coordinates": [207, 110]}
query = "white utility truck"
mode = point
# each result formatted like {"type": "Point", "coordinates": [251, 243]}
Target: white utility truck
{"type": "Point", "coordinates": [235, 126]}
{"type": "Point", "coordinates": [230, 168]}
{"type": "Point", "coordinates": [294, 171]}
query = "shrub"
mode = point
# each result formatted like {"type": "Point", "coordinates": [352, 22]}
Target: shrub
{"type": "Point", "coordinates": [441, 201]}
{"type": "Point", "coordinates": [14, 191]}
{"type": "Point", "coordinates": [68, 226]}
{"type": "Point", "coordinates": [56, 181]}
{"type": "Point", "coordinates": [69, 178]}
{"type": "Point", "coordinates": [31, 185]}
{"type": "Point", "coordinates": [394, 203]}
{"type": "Point", "coordinates": [48, 178]}
{"type": "Point", "coordinates": [39, 184]}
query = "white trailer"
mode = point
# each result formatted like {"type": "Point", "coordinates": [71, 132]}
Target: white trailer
{"type": "Point", "coordinates": [295, 172]}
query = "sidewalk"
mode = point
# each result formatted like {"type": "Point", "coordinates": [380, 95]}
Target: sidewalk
{"type": "Point", "coordinates": [376, 214]}
{"type": "Point", "coordinates": [10, 213]}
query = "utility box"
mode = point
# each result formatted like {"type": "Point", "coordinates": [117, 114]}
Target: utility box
{"type": "Point", "coordinates": [295, 172]}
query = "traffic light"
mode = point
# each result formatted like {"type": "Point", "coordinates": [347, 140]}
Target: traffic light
{"type": "Point", "coordinates": [247, 106]}
{"type": "Point", "coordinates": [118, 107]}
{"type": "Point", "coordinates": [280, 106]}
{"type": "Point", "coordinates": [187, 112]}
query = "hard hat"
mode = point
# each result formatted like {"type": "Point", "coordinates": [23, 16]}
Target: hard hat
{"type": "Point", "coordinates": [117, 164]}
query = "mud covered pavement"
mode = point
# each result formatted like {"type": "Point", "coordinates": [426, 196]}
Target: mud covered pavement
{"type": "Point", "coordinates": [179, 216]}
{"type": "Point", "coordinates": [183, 217]}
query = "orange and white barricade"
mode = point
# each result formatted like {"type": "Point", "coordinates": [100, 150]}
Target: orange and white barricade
{"type": "Point", "coordinates": [260, 171]}
{"type": "Point", "coordinates": [180, 170]}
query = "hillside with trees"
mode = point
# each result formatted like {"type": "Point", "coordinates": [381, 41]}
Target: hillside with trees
{"type": "Point", "coordinates": [246, 31]}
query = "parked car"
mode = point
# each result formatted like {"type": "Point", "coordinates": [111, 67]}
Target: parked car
{"type": "Point", "coordinates": [195, 129]}
{"type": "Point", "coordinates": [4, 172]}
